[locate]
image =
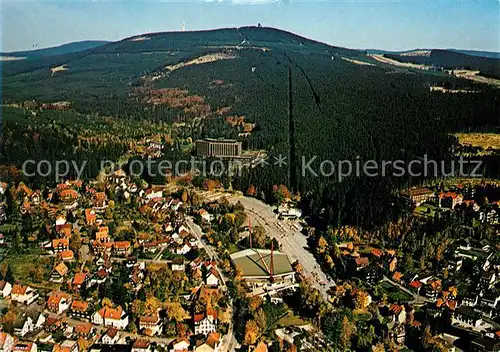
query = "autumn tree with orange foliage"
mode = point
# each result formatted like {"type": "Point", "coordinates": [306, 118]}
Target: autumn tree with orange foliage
{"type": "Point", "coordinates": [251, 332]}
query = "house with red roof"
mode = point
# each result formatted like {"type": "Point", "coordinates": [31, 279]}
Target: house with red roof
{"type": "Point", "coordinates": [25, 346]}
{"type": "Point", "coordinates": [23, 294]}
{"type": "Point", "coordinates": [79, 279]}
{"type": "Point", "coordinates": [90, 216]}
{"type": "Point", "coordinates": [81, 310]}
{"type": "Point", "coordinates": [7, 342]}
{"type": "Point", "coordinates": [67, 255]}
{"type": "Point", "coordinates": [150, 324]}
{"type": "Point", "coordinates": [58, 302]}
{"type": "Point", "coordinates": [60, 244]}
{"type": "Point", "coordinates": [141, 345]}
{"type": "Point", "coordinates": [122, 248]}
{"type": "Point", "coordinates": [111, 317]}
{"type": "Point", "coordinates": [205, 322]}
{"type": "Point", "coordinates": [5, 288]}
{"type": "Point", "coordinates": [211, 344]}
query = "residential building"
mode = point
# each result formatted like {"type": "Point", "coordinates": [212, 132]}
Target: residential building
{"type": "Point", "coordinates": [211, 344]}
{"type": "Point", "coordinates": [58, 302]}
{"type": "Point", "coordinates": [141, 345]}
{"type": "Point", "coordinates": [180, 345]}
{"type": "Point", "coordinates": [417, 196]}
{"type": "Point", "coordinates": [112, 317]}
{"type": "Point", "coordinates": [206, 322]}
{"type": "Point", "coordinates": [151, 325]}
{"type": "Point", "coordinates": [23, 294]}
{"type": "Point", "coordinates": [25, 346]}
{"type": "Point", "coordinates": [81, 310]}
{"type": "Point", "coordinates": [6, 342]}
{"type": "Point", "coordinates": [467, 317]}
{"type": "Point", "coordinates": [111, 337]}
{"type": "Point", "coordinates": [58, 273]}
{"type": "Point", "coordinates": [5, 289]}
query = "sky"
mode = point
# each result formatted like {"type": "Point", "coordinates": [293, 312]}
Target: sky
{"type": "Point", "coordinates": [367, 24]}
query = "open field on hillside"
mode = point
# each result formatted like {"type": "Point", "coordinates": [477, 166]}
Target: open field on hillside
{"type": "Point", "coordinates": [475, 76]}
{"type": "Point", "coordinates": [58, 69]}
{"type": "Point", "coordinates": [357, 62]}
{"type": "Point", "coordinates": [483, 140]}
{"type": "Point", "coordinates": [11, 58]}
{"type": "Point", "coordinates": [201, 60]}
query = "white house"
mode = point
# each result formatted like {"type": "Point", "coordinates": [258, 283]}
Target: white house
{"type": "Point", "coordinates": [5, 289]}
{"type": "Point", "coordinates": [212, 277]}
{"type": "Point", "coordinates": [205, 323]}
{"type": "Point", "coordinates": [23, 294]}
{"type": "Point", "coordinates": [112, 317]}
{"type": "Point", "coordinates": [26, 324]}
{"type": "Point", "coordinates": [180, 344]}
{"type": "Point", "coordinates": [152, 194]}
{"type": "Point", "coordinates": [178, 264]}
{"type": "Point", "coordinates": [60, 220]}
{"type": "Point", "coordinates": [152, 323]}
{"type": "Point", "coordinates": [183, 249]}
{"type": "Point", "coordinates": [110, 337]}
{"type": "Point", "coordinates": [205, 215]}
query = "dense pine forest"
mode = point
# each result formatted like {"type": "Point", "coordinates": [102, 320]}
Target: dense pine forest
{"type": "Point", "coordinates": [304, 99]}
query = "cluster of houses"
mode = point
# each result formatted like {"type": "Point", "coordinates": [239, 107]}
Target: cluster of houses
{"type": "Point", "coordinates": [461, 196]}
{"type": "Point", "coordinates": [43, 317]}
{"type": "Point", "coordinates": [474, 314]}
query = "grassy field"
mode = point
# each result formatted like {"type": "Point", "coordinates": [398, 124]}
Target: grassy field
{"type": "Point", "coordinates": [22, 264]}
{"type": "Point", "coordinates": [427, 210]}
{"type": "Point", "coordinates": [394, 294]}
{"type": "Point", "coordinates": [291, 320]}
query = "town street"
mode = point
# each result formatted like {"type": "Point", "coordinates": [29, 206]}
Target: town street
{"type": "Point", "coordinates": [229, 341]}
{"type": "Point", "coordinates": [293, 242]}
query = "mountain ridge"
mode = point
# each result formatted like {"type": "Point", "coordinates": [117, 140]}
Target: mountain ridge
{"type": "Point", "coordinates": [65, 48]}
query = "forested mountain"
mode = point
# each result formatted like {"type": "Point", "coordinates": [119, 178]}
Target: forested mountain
{"type": "Point", "coordinates": [55, 50]}
{"type": "Point", "coordinates": [479, 53]}
{"type": "Point", "coordinates": [306, 100]}
{"type": "Point", "coordinates": [452, 60]}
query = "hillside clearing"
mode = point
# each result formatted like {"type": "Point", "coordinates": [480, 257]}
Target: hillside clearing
{"type": "Point", "coordinates": [483, 140]}
{"type": "Point", "coordinates": [475, 76]}
{"type": "Point", "coordinates": [201, 60]}
{"type": "Point", "coordinates": [139, 39]}
{"type": "Point", "coordinates": [12, 58]}
{"type": "Point", "coordinates": [59, 69]}
{"type": "Point", "coordinates": [358, 62]}
{"type": "Point", "coordinates": [386, 60]}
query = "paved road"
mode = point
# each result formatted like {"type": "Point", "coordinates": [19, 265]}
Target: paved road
{"type": "Point", "coordinates": [229, 341]}
{"type": "Point", "coordinates": [293, 242]}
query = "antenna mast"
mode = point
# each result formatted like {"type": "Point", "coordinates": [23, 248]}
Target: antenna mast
{"type": "Point", "coordinates": [271, 272]}
{"type": "Point", "coordinates": [250, 231]}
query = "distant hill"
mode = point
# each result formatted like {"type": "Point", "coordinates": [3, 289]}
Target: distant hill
{"type": "Point", "coordinates": [453, 60]}
{"type": "Point", "coordinates": [56, 50]}
{"type": "Point", "coordinates": [488, 54]}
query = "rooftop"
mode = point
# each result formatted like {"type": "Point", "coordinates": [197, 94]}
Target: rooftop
{"type": "Point", "coordinates": [257, 262]}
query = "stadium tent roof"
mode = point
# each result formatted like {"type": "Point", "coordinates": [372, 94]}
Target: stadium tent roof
{"type": "Point", "coordinates": [252, 264]}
